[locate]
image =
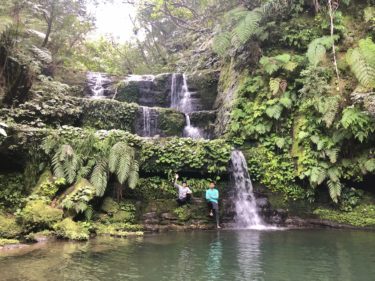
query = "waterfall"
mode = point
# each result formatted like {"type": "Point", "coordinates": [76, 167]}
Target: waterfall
{"type": "Point", "coordinates": [149, 117]}
{"type": "Point", "coordinates": [181, 100]}
{"type": "Point", "coordinates": [175, 92]}
{"type": "Point", "coordinates": [190, 131]}
{"type": "Point", "coordinates": [96, 82]}
{"type": "Point", "coordinates": [244, 200]}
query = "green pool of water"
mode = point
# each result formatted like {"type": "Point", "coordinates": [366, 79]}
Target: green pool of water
{"type": "Point", "coordinates": [300, 255]}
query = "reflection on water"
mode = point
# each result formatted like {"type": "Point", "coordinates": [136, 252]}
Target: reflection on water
{"type": "Point", "coordinates": [314, 255]}
{"type": "Point", "coordinates": [215, 255]}
{"type": "Point", "coordinates": [248, 256]}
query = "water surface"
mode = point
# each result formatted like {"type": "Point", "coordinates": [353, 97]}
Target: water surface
{"type": "Point", "coordinates": [225, 255]}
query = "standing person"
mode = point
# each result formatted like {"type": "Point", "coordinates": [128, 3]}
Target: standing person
{"type": "Point", "coordinates": [184, 192]}
{"type": "Point", "coordinates": [212, 197]}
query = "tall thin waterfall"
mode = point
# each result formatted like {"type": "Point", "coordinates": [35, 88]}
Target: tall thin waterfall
{"type": "Point", "coordinates": [181, 100]}
{"type": "Point", "coordinates": [244, 200]}
{"type": "Point", "coordinates": [149, 122]}
{"type": "Point", "coordinates": [175, 92]}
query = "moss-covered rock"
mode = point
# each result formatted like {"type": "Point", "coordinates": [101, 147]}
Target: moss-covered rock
{"type": "Point", "coordinates": [118, 229]}
{"type": "Point", "coordinates": [78, 197]}
{"type": "Point", "coordinates": [171, 122]}
{"type": "Point", "coordinates": [9, 227]}
{"type": "Point", "coordinates": [362, 215]}
{"type": "Point", "coordinates": [109, 206]}
{"type": "Point", "coordinates": [47, 185]}
{"type": "Point", "coordinates": [70, 229]}
{"type": "Point", "coordinates": [37, 215]}
{"type": "Point", "coordinates": [205, 83]}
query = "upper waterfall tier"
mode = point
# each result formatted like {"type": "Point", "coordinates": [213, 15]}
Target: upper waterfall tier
{"type": "Point", "coordinates": [154, 91]}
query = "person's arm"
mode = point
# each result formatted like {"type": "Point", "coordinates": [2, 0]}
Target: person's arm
{"type": "Point", "coordinates": [176, 185]}
{"type": "Point", "coordinates": [215, 195]}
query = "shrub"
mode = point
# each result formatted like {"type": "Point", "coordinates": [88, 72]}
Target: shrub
{"type": "Point", "coordinates": [71, 230]}
{"type": "Point", "coordinates": [9, 227]}
{"type": "Point", "coordinates": [37, 215]}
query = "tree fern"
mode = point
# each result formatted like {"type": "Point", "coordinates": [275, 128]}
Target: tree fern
{"type": "Point", "coordinates": [240, 25]}
{"type": "Point", "coordinates": [133, 175]}
{"type": "Point", "coordinates": [362, 62]}
{"type": "Point", "coordinates": [66, 163]}
{"type": "Point", "coordinates": [99, 176]}
{"type": "Point", "coordinates": [221, 43]}
{"type": "Point", "coordinates": [120, 160]}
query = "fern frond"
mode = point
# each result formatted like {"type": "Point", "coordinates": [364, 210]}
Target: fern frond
{"type": "Point", "coordinates": [133, 175]}
{"type": "Point", "coordinates": [247, 27]}
{"type": "Point", "coordinates": [316, 51]}
{"type": "Point", "coordinates": [274, 111]}
{"type": "Point", "coordinates": [99, 177]}
{"type": "Point", "coordinates": [221, 43]}
{"type": "Point", "coordinates": [275, 85]}
{"type": "Point", "coordinates": [362, 62]}
{"type": "Point", "coordinates": [334, 188]}
{"type": "Point", "coordinates": [317, 175]}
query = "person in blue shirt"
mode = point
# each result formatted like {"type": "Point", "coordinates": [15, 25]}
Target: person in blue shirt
{"type": "Point", "coordinates": [212, 197]}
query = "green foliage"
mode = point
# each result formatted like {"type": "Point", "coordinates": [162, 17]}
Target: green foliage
{"type": "Point", "coordinates": [120, 161]}
{"type": "Point", "coordinates": [283, 61]}
{"type": "Point", "coordinates": [4, 242]}
{"type": "Point", "coordinates": [240, 25]}
{"type": "Point", "coordinates": [48, 186]}
{"type": "Point", "coordinates": [118, 229]}
{"type": "Point", "coordinates": [80, 196]}
{"type": "Point", "coordinates": [12, 191]}
{"type": "Point", "coordinates": [109, 114]}
{"type": "Point", "coordinates": [109, 206]}
{"type": "Point", "coordinates": [362, 62]}
{"type": "Point", "coordinates": [362, 215]}
{"type": "Point", "coordinates": [172, 155]}
{"type": "Point", "coordinates": [183, 213]}
{"type": "Point", "coordinates": [72, 230]}
{"type": "Point", "coordinates": [358, 122]}
{"type": "Point", "coordinates": [316, 52]}
{"type": "Point", "coordinates": [37, 215]}
{"type": "Point", "coordinates": [9, 227]}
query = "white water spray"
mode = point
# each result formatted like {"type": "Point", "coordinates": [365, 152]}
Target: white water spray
{"type": "Point", "coordinates": [244, 200]}
{"type": "Point", "coordinates": [97, 81]}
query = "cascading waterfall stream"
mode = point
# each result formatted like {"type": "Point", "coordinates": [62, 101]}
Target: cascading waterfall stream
{"type": "Point", "coordinates": [244, 200]}
{"type": "Point", "coordinates": [97, 88]}
{"type": "Point", "coordinates": [149, 121]}
{"type": "Point", "coordinates": [181, 100]}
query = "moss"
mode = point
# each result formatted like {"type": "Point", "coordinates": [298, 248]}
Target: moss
{"type": "Point", "coordinates": [109, 206]}
{"type": "Point", "coordinates": [36, 236]}
{"type": "Point", "coordinates": [70, 229]}
{"type": "Point", "coordinates": [9, 227]}
{"type": "Point", "coordinates": [118, 229]}
{"type": "Point", "coordinates": [183, 213]}
{"type": "Point", "coordinates": [47, 185]}
{"type": "Point", "coordinates": [79, 197]}
{"type": "Point", "coordinates": [362, 215]}
{"type": "Point", "coordinates": [123, 216]}
{"type": "Point", "coordinates": [128, 92]}
{"type": "Point", "coordinates": [171, 122]}
{"type": "Point", "coordinates": [4, 242]}
{"type": "Point", "coordinates": [37, 215]}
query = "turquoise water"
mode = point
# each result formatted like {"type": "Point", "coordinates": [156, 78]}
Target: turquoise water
{"type": "Point", "coordinates": [225, 255]}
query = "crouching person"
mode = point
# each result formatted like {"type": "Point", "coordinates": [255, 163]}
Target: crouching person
{"type": "Point", "coordinates": [184, 192]}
